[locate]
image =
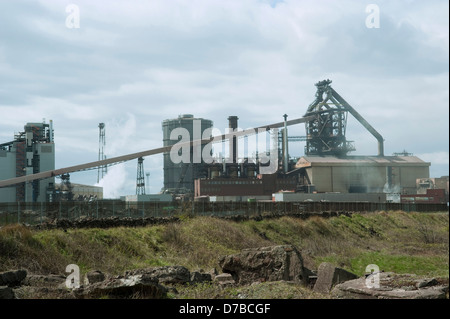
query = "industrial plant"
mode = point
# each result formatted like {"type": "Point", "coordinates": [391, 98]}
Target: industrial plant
{"type": "Point", "coordinates": [32, 151]}
{"type": "Point", "coordinates": [326, 172]}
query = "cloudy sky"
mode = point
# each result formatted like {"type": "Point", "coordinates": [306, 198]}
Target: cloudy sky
{"type": "Point", "coordinates": [133, 64]}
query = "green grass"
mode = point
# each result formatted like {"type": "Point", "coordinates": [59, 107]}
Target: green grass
{"type": "Point", "coordinates": [433, 266]}
{"type": "Point", "coordinates": [397, 241]}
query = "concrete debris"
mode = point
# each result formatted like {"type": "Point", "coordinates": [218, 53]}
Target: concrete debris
{"type": "Point", "coordinates": [44, 280]}
{"type": "Point", "coordinates": [93, 277]}
{"type": "Point", "coordinates": [272, 263]}
{"type": "Point", "coordinates": [165, 274]}
{"type": "Point", "coordinates": [198, 277]}
{"type": "Point", "coordinates": [392, 286]}
{"type": "Point", "coordinates": [427, 283]}
{"type": "Point", "coordinates": [134, 286]}
{"type": "Point", "coordinates": [224, 279]}
{"type": "Point", "coordinates": [12, 278]}
{"type": "Point", "coordinates": [328, 276]}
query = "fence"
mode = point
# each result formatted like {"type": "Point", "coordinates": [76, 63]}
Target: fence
{"type": "Point", "coordinates": [36, 213]}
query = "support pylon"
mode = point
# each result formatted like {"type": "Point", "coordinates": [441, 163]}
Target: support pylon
{"type": "Point", "coordinates": [140, 181]}
{"type": "Point", "coordinates": [102, 170]}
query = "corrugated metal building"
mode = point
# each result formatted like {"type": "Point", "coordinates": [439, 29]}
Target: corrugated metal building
{"type": "Point", "coordinates": [363, 174]}
{"type": "Point", "coordinates": [83, 192]}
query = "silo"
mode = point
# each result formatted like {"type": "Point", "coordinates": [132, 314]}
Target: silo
{"type": "Point", "coordinates": [179, 177]}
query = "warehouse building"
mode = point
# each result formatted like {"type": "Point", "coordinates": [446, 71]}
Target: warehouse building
{"type": "Point", "coordinates": [363, 174]}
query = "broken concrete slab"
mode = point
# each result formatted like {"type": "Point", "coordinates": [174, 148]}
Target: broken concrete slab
{"type": "Point", "coordinates": [329, 275]}
{"type": "Point", "coordinates": [391, 286]}
{"type": "Point", "coordinates": [224, 279]}
{"type": "Point", "coordinates": [272, 263]}
{"type": "Point", "coordinates": [165, 274]}
{"type": "Point", "coordinates": [93, 276]}
{"type": "Point", "coordinates": [199, 277]}
{"type": "Point", "coordinates": [44, 280]}
{"type": "Point", "coordinates": [12, 278]}
{"type": "Point", "coordinates": [142, 286]}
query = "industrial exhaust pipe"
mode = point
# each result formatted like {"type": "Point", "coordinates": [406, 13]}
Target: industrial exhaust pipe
{"type": "Point", "coordinates": [285, 146]}
{"type": "Point", "coordinates": [233, 125]}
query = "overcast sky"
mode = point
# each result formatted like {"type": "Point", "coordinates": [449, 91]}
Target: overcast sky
{"type": "Point", "coordinates": [133, 64]}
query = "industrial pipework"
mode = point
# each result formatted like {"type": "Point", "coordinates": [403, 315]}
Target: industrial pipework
{"type": "Point", "coordinates": [233, 125]}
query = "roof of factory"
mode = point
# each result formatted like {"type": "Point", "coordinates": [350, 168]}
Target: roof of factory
{"type": "Point", "coordinates": [58, 185]}
{"type": "Point", "coordinates": [307, 161]}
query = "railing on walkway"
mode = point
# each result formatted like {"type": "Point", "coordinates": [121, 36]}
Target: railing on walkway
{"type": "Point", "coordinates": [37, 213]}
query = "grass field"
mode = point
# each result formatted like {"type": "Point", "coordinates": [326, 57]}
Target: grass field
{"type": "Point", "coordinates": [396, 241]}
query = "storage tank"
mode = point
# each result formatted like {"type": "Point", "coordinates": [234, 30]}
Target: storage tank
{"type": "Point", "coordinates": [180, 177]}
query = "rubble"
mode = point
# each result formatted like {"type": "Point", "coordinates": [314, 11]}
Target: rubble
{"type": "Point", "coordinates": [392, 286]}
{"type": "Point", "coordinates": [328, 276]}
{"type": "Point", "coordinates": [272, 263]}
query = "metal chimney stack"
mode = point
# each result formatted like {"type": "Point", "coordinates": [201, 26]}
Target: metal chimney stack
{"type": "Point", "coordinates": [232, 125]}
{"type": "Point", "coordinates": [285, 146]}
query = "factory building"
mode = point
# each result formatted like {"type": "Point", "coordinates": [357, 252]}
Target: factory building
{"type": "Point", "coordinates": [241, 178]}
{"type": "Point", "coordinates": [363, 174]}
{"type": "Point", "coordinates": [66, 191]}
{"type": "Point", "coordinates": [326, 174]}
{"type": "Point", "coordinates": [261, 185]}
{"type": "Point", "coordinates": [424, 185]}
{"type": "Point", "coordinates": [179, 176]}
{"type": "Point", "coordinates": [326, 167]}
{"type": "Point", "coordinates": [32, 151]}
{"type": "Point", "coordinates": [431, 196]}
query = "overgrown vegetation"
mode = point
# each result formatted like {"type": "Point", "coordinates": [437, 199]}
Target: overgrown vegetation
{"type": "Point", "coordinates": [396, 241]}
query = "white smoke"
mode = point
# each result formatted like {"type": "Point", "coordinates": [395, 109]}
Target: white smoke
{"type": "Point", "coordinates": [113, 182]}
{"type": "Point", "coordinates": [392, 189]}
{"type": "Point", "coordinates": [119, 133]}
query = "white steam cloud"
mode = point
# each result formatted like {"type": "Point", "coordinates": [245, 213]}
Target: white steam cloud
{"type": "Point", "coordinates": [119, 134]}
{"type": "Point", "coordinates": [113, 182]}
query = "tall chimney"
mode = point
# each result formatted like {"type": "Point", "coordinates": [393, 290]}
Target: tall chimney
{"type": "Point", "coordinates": [285, 146]}
{"type": "Point", "coordinates": [232, 125]}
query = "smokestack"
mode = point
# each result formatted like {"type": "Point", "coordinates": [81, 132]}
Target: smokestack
{"type": "Point", "coordinates": [232, 125]}
{"type": "Point", "coordinates": [51, 131]}
{"type": "Point", "coordinates": [285, 146]}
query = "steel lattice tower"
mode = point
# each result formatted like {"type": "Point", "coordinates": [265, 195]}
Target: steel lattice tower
{"type": "Point", "coordinates": [140, 181]}
{"type": "Point", "coordinates": [102, 170]}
